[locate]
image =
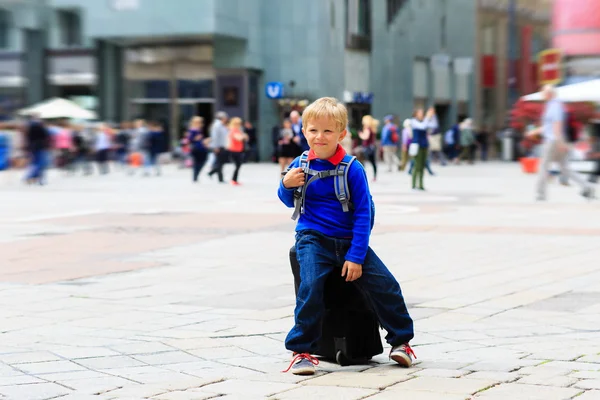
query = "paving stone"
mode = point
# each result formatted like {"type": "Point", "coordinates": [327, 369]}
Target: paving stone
{"type": "Point", "coordinates": [530, 392]}
{"type": "Point", "coordinates": [170, 357]}
{"type": "Point", "coordinates": [495, 376]}
{"type": "Point", "coordinates": [560, 381]}
{"type": "Point", "coordinates": [416, 395]}
{"type": "Point", "coordinates": [250, 388]}
{"type": "Point", "coordinates": [38, 391]}
{"type": "Point", "coordinates": [590, 395]}
{"type": "Point", "coordinates": [28, 357]}
{"type": "Point", "coordinates": [352, 379]}
{"type": "Point", "coordinates": [500, 366]}
{"type": "Point", "coordinates": [74, 353]}
{"type": "Point", "coordinates": [444, 385]}
{"type": "Point", "coordinates": [588, 384]}
{"type": "Point", "coordinates": [441, 373]}
{"type": "Point", "coordinates": [50, 367]}
{"type": "Point", "coordinates": [18, 380]}
{"type": "Point", "coordinates": [573, 366]}
{"type": "Point", "coordinates": [183, 395]}
{"type": "Point", "coordinates": [586, 375]}
{"type": "Point", "coordinates": [544, 370]}
{"type": "Point", "coordinates": [98, 385]}
{"type": "Point", "coordinates": [326, 392]}
{"type": "Point", "coordinates": [100, 363]}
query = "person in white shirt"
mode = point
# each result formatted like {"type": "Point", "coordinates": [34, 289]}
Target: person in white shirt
{"type": "Point", "coordinates": [555, 147]}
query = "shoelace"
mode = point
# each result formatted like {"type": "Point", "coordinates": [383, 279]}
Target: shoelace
{"type": "Point", "coordinates": [301, 356]}
{"type": "Point", "coordinates": [408, 350]}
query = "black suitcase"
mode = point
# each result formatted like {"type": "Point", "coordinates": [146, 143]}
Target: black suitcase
{"type": "Point", "coordinates": [350, 333]}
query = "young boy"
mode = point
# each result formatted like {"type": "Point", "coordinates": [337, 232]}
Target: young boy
{"type": "Point", "coordinates": [329, 238]}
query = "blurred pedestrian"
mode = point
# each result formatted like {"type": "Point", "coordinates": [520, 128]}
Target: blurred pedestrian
{"type": "Point", "coordinates": [218, 136]}
{"type": "Point", "coordinates": [389, 142]}
{"type": "Point", "coordinates": [197, 142]}
{"type": "Point", "coordinates": [555, 146]}
{"type": "Point", "coordinates": [236, 143]}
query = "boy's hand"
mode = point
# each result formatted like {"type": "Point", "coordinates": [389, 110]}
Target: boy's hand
{"type": "Point", "coordinates": [351, 271]}
{"type": "Point", "coordinates": [294, 178]}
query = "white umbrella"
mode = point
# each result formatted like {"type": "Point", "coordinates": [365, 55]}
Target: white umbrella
{"type": "Point", "coordinates": [582, 91]}
{"type": "Point", "coordinates": [58, 108]}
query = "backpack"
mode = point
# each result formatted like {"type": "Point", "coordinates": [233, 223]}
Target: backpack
{"type": "Point", "coordinates": [394, 135]}
{"type": "Point", "coordinates": [342, 192]}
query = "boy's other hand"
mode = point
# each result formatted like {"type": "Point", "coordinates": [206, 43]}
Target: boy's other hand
{"type": "Point", "coordinates": [294, 178]}
{"type": "Point", "coordinates": [351, 271]}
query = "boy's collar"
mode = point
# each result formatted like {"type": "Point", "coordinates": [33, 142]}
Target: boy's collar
{"type": "Point", "coordinates": [335, 159]}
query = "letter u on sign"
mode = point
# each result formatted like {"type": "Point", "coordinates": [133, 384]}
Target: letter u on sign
{"type": "Point", "coordinates": [274, 90]}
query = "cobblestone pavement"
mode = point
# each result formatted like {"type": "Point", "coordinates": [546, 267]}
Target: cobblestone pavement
{"type": "Point", "coordinates": [124, 287]}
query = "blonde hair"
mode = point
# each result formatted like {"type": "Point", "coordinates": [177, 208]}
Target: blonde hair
{"type": "Point", "coordinates": [327, 107]}
{"type": "Point", "coordinates": [235, 121]}
{"type": "Point", "coordinates": [374, 124]}
{"type": "Point", "coordinates": [367, 120]}
{"type": "Point", "coordinates": [196, 120]}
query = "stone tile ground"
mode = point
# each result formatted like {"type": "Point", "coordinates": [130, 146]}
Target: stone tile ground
{"type": "Point", "coordinates": [122, 287]}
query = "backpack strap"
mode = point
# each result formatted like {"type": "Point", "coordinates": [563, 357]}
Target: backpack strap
{"type": "Point", "coordinates": [300, 192]}
{"type": "Point", "coordinates": [342, 191]}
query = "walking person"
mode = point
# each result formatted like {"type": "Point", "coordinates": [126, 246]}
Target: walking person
{"type": "Point", "coordinates": [122, 142]}
{"type": "Point", "coordinates": [197, 143]}
{"type": "Point", "coordinates": [139, 144]}
{"type": "Point", "coordinates": [218, 137]}
{"type": "Point", "coordinates": [102, 147]}
{"type": "Point", "coordinates": [467, 142]}
{"type": "Point", "coordinates": [389, 143]}
{"type": "Point", "coordinates": [368, 135]}
{"type": "Point", "coordinates": [252, 145]}
{"type": "Point", "coordinates": [156, 143]}
{"type": "Point", "coordinates": [236, 143]}
{"type": "Point", "coordinates": [287, 149]}
{"type": "Point", "coordinates": [299, 137]}
{"type": "Point", "coordinates": [81, 150]}
{"type": "Point", "coordinates": [406, 139]}
{"type": "Point", "coordinates": [63, 143]}
{"type": "Point", "coordinates": [555, 146]}
{"type": "Point", "coordinates": [38, 145]}
{"type": "Point", "coordinates": [418, 148]}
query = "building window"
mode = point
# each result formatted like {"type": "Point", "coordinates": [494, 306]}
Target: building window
{"type": "Point", "coordinates": [70, 28]}
{"type": "Point", "coordinates": [443, 32]}
{"type": "Point", "coordinates": [358, 24]}
{"type": "Point", "coordinates": [393, 7]}
{"type": "Point", "coordinates": [332, 15]}
{"type": "Point", "coordinates": [4, 29]}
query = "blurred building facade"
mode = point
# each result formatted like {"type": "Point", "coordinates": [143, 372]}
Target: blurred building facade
{"type": "Point", "coordinates": [171, 59]}
{"type": "Point", "coordinates": [576, 33]}
{"type": "Point", "coordinates": [510, 35]}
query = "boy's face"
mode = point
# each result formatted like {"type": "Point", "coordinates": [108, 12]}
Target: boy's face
{"type": "Point", "coordinates": [323, 136]}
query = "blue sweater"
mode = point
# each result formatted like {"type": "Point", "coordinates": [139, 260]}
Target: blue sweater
{"type": "Point", "coordinates": [323, 211]}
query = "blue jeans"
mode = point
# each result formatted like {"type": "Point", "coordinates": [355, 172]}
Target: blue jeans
{"type": "Point", "coordinates": [320, 255]}
{"type": "Point", "coordinates": [39, 162]}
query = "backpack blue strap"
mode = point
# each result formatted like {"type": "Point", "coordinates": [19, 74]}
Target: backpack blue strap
{"type": "Point", "coordinates": [341, 187]}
